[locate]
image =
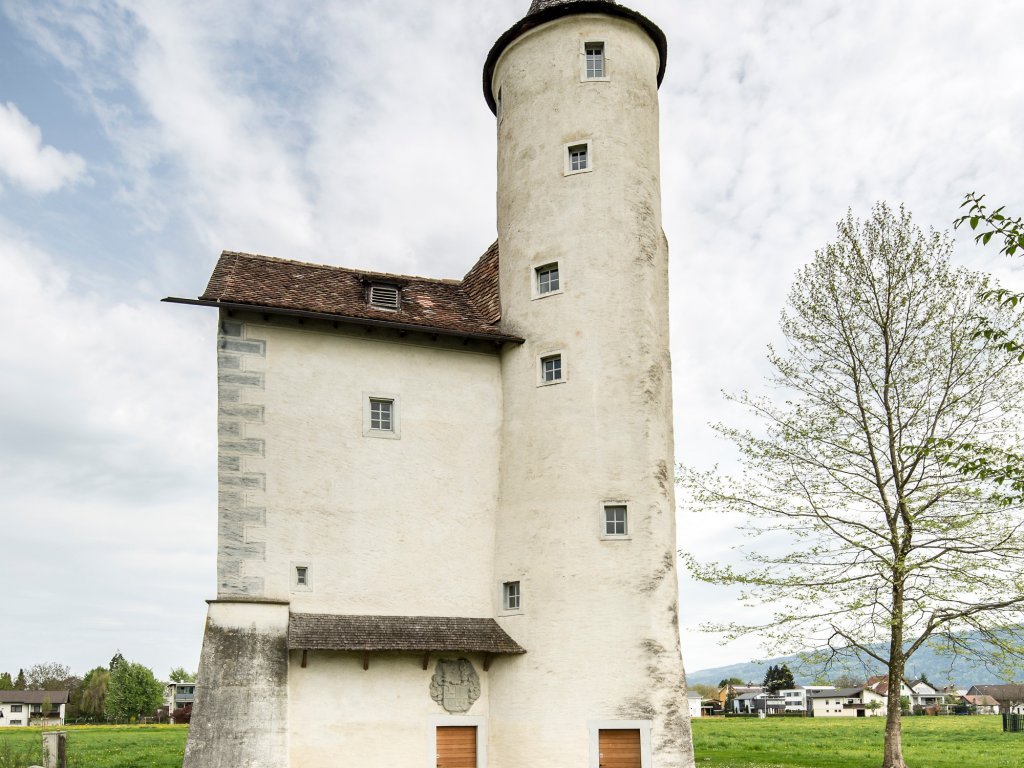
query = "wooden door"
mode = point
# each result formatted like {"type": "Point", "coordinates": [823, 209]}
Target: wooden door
{"type": "Point", "coordinates": [456, 746]}
{"type": "Point", "coordinates": [619, 748]}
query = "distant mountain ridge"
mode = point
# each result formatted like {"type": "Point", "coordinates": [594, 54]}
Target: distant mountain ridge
{"type": "Point", "coordinates": [940, 670]}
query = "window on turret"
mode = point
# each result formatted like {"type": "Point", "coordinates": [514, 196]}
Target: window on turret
{"type": "Point", "coordinates": [579, 157]}
{"type": "Point", "coordinates": [551, 369]}
{"type": "Point", "coordinates": [594, 53]}
{"type": "Point", "coordinates": [547, 279]}
{"type": "Point", "coordinates": [615, 520]}
{"type": "Point", "coordinates": [511, 598]}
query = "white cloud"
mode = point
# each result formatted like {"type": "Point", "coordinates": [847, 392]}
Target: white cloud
{"type": "Point", "coordinates": [105, 465]}
{"type": "Point", "coordinates": [26, 161]}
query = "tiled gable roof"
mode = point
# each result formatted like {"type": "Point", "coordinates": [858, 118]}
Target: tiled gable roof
{"type": "Point", "coordinates": [983, 700]}
{"type": "Point", "coordinates": [456, 307]}
{"type": "Point", "coordinates": [320, 631]}
{"type": "Point", "coordinates": [1004, 691]}
{"type": "Point", "coordinates": [33, 697]}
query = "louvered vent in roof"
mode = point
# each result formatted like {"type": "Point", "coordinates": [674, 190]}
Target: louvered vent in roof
{"type": "Point", "coordinates": [384, 296]}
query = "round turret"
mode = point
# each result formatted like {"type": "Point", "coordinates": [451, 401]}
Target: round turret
{"type": "Point", "coordinates": [543, 11]}
{"type": "Point", "coordinates": [586, 525]}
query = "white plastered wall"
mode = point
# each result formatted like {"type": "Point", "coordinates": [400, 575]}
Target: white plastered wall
{"type": "Point", "coordinates": [386, 526]}
{"type": "Point", "coordinates": [381, 717]}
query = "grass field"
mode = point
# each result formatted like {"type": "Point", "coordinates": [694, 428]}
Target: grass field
{"type": "Point", "coordinates": [100, 746]}
{"type": "Point", "coordinates": [929, 742]}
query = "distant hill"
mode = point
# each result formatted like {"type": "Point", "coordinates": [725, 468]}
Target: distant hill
{"type": "Point", "coordinates": [938, 668]}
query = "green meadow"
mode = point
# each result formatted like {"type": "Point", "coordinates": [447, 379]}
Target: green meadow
{"type": "Point", "coordinates": [100, 746]}
{"type": "Point", "coordinates": [929, 742]}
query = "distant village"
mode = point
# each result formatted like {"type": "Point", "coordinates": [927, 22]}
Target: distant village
{"type": "Point", "coordinates": [731, 698]}
{"type": "Point", "coordinates": [868, 699]}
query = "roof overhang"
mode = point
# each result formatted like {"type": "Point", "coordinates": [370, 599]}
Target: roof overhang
{"type": "Point", "coordinates": [497, 338]}
{"type": "Point", "coordinates": [422, 634]}
{"type": "Point", "coordinates": [533, 20]}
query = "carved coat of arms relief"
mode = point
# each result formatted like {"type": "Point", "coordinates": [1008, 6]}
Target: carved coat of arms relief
{"type": "Point", "coordinates": [455, 685]}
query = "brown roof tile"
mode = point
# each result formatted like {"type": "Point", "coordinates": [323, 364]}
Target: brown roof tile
{"type": "Point", "coordinates": [447, 306]}
{"type": "Point", "coordinates": [34, 697]}
{"type": "Point", "coordinates": [982, 701]}
{"type": "Point", "coordinates": [481, 285]}
{"type": "Point", "coordinates": [320, 631]}
{"type": "Point", "coordinates": [1003, 692]}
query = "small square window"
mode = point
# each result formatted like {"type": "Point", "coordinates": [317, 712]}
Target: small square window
{"type": "Point", "coordinates": [511, 596]}
{"type": "Point", "coordinates": [547, 278]}
{"type": "Point", "coordinates": [615, 520]}
{"type": "Point", "coordinates": [382, 415]}
{"type": "Point", "coordinates": [15, 707]}
{"type": "Point", "coordinates": [301, 576]}
{"type": "Point", "coordinates": [595, 60]}
{"type": "Point", "coordinates": [578, 157]}
{"type": "Point", "coordinates": [551, 369]}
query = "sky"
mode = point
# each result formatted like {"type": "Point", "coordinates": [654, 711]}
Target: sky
{"type": "Point", "coordinates": [139, 138]}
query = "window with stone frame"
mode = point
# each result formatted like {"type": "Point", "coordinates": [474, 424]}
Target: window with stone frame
{"type": "Point", "coordinates": [551, 369]}
{"type": "Point", "coordinates": [548, 279]}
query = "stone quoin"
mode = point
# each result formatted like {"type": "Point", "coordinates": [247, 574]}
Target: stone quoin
{"type": "Point", "coordinates": [446, 524]}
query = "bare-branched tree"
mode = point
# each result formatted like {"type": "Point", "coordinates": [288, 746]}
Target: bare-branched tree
{"type": "Point", "coordinates": [866, 543]}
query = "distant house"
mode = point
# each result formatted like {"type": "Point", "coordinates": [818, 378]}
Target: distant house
{"type": "Point", "coordinates": [26, 708]}
{"type": "Point", "coordinates": [982, 704]}
{"type": "Point", "coordinates": [179, 695]}
{"type": "Point", "coordinates": [847, 702]}
{"type": "Point", "coordinates": [924, 695]}
{"type": "Point", "coordinates": [759, 701]}
{"type": "Point", "coordinates": [796, 698]}
{"type": "Point", "coordinates": [732, 692]}
{"type": "Point", "coordinates": [1008, 695]}
{"type": "Point", "coordinates": [693, 699]}
{"type": "Point", "coordinates": [919, 693]}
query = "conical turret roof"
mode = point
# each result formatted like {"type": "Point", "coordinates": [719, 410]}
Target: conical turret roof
{"type": "Point", "coordinates": [543, 11]}
{"type": "Point", "coordinates": [542, 5]}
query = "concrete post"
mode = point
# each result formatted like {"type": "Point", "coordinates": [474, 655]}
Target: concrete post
{"type": "Point", "coordinates": [55, 753]}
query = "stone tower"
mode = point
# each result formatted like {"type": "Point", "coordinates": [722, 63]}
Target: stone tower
{"type": "Point", "coordinates": [446, 524]}
{"type": "Point", "coordinates": [587, 515]}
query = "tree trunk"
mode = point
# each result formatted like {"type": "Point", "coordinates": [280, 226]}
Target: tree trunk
{"type": "Point", "coordinates": [893, 756]}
